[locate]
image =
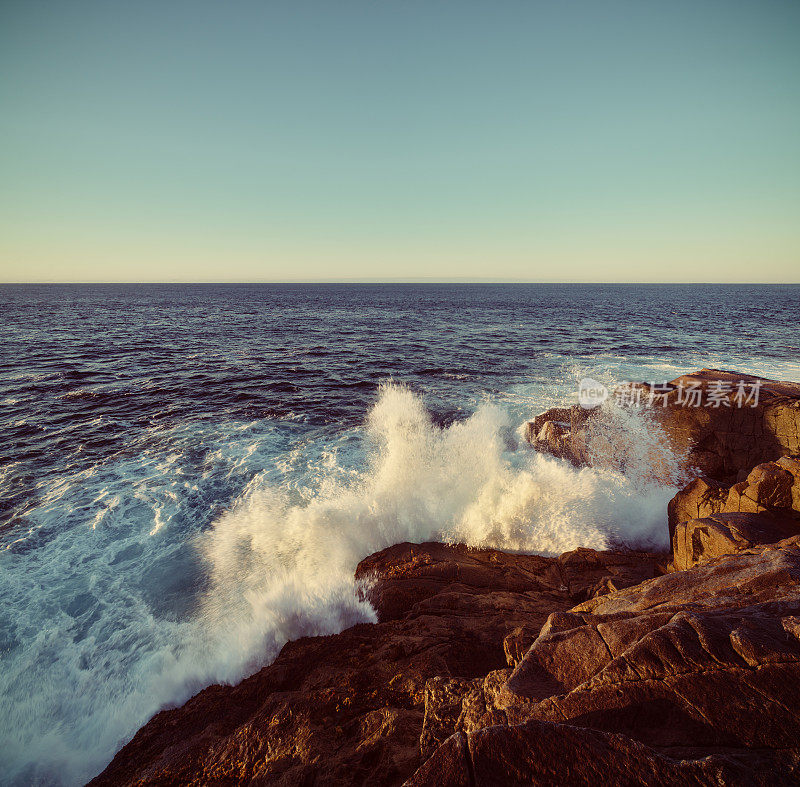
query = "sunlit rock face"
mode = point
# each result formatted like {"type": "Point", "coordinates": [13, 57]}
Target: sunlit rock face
{"type": "Point", "coordinates": [708, 519]}
{"type": "Point", "coordinates": [659, 683]}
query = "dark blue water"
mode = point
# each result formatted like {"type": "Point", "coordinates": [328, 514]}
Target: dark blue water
{"type": "Point", "coordinates": [169, 449]}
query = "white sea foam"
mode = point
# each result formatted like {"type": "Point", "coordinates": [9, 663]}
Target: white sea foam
{"type": "Point", "coordinates": [282, 566]}
{"type": "Point", "coordinates": [127, 618]}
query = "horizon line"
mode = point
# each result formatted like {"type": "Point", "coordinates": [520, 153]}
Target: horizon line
{"type": "Point", "coordinates": [397, 280]}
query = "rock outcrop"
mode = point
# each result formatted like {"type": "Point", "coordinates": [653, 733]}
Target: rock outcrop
{"type": "Point", "coordinates": [722, 423]}
{"type": "Point", "coordinates": [770, 488]}
{"type": "Point", "coordinates": [484, 671]}
{"type": "Point", "coordinates": [700, 540]}
{"type": "Point", "coordinates": [542, 753]}
{"type": "Point", "coordinates": [707, 519]}
{"type": "Point", "coordinates": [691, 677]}
{"type": "Point", "coordinates": [358, 707]}
{"type": "Point", "coordinates": [563, 432]}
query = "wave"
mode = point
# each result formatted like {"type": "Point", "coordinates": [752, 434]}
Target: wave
{"type": "Point", "coordinates": [282, 567]}
{"type": "Point", "coordinates": [279, 565]}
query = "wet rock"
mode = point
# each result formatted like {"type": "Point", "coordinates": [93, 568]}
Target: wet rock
{"type": "Point", "coordinates": [712, 419]}
{"type": "Point", "coordinates": [655, 682]}
{"type": "Point", "coordinates": [409, 574]}
{"type": "Point", "coordinates": [562, 432]}
{"type": "Point", "coordinates": [733, 430]}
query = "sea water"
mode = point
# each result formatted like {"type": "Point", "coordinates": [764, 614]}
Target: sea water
{"type": "Point", "coordinates": [191, 473]}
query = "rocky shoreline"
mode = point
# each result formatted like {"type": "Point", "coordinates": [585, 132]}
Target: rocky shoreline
{"type": "Point", "coordinates": [487, 668]}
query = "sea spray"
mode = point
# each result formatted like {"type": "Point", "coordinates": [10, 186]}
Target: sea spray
{"type": "Point", "coordinates": [278, 564]}
{"type": "Point", "coordinates": [282, 567]}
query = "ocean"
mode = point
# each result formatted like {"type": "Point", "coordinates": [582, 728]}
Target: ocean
{"type": "Point", "coordinates": [191, 473]}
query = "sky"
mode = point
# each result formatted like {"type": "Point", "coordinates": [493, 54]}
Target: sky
{"type": "Point", "coordinates": [528, 140]}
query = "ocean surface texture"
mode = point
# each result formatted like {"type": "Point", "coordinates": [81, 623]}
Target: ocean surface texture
{"type": "Point", "coordinates": [190, 474]}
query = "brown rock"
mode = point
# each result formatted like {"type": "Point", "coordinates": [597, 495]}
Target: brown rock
{"type": "Point", "coordinates": [792, 465]}
{"type": "Point", "coordinates": [681, 663]}
{"type": "Point", "coordinates": [657, 684]}
{"type": "Point", "coordinates": [722, 442]}
{"type": "Point", "coordinates": [567, 419]}
{"type": "Point", "coordinates": [363, 706]}
{"type": "Point", "coordinates": [653, 683]}
{"type": "Point", "coordinates": [769, 486]}
{"type": "Point", "coordinates": [516, 644]}
{"type": "Point", "coordinates": [562, 432]}
{"type": "Point", "coordinates": [701, 497]}
{"type": "Point", "coordinates": [444, 700]}
{"type": "Point", "coordinates": [754, 576]}
{"type": "Point", "coordinates": [409, 574]}
{"type": "Point", "coordinates": [544, 753]}
{"type": "Point", "coordinates": [700, 540]}
{"type": "Point", "coordinates": [586, 573]}
{"type": "Point", "coordinates": [708, 519]}
{"type": "Point", "coordinates": [450, 766]}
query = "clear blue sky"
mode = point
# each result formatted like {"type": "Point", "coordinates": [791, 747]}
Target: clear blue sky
{"type": "Point", "coordinates": [518, 139]}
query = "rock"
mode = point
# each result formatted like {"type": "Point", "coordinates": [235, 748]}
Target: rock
{"type": "Point", "coordinates": [450, 766]}
{"type": "Point", "coordinates": [700, 540]}
{"type": "Point", "coordinates": [408, 574]}
{"type": "Point", "coordinates": [445, 699]}
{"type": "Point", "coordinates": [771, 490]}
{"type": "Point", "coordinates": [567, 419]}
{"type": "Point", "coordinates": [792, 465]}
{"type": "Point", "coordinates": [725, 441]}
{"type": "Point", "coordinates": [365, 706]}
{"type": "Point", "coordinates": [699, 498]}
{"type": "Point", "coordinates": [516, 644]}
{"type": "Point", "coordinates": [545, 753]}
{"type": "Point", "coordinates": [586, 573]}
{"type": "Point", "coordinates": [764, 573]}
{"type": "Point", "coordinates": [768, 487]}
{"type": "Point", "coordinates": [723, 438]}
{"type": "Point", "coordinates": [680, 663]}
{"type": "Point", "coordinates": [554, 435]}
{"type": "Point", "coordinates": [656, 682]}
